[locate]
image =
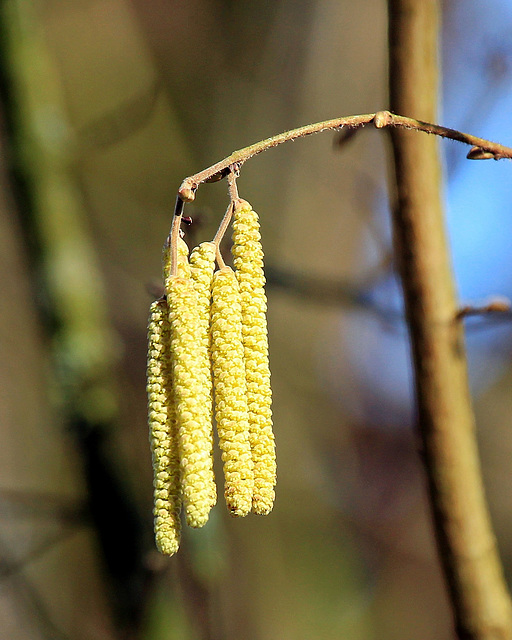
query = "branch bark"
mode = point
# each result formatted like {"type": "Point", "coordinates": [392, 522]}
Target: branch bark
{"type": "Point", "coordinates": [481, 149]}
{"type": "Point", "coordinates": [464, 535]}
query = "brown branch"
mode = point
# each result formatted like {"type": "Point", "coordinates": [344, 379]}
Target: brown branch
{"type": "Point", "coordinates": [465, 539]}
{"type": "Point", "coordinates": [175, 234]}
{"type": "Point", "coordinates": [482, 149]}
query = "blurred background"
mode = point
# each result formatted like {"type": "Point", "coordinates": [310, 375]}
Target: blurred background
{"type": "Point", "coordinates": [106, 106]}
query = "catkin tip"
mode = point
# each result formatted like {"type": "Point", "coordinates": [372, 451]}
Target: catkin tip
{"type": "Point", "coordinates": [167, 545]}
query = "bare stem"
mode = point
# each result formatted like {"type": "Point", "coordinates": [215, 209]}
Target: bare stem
{"type": "Point", "coordinates": [175, 234]}
{"type": "Point", "coordinates": [233, 197]}
{"type": "Point", "coordinates": [381, 119]}
{"type": "Point", "coordinates": [232, 188]}
{"type": "Point", "coordinates": [220, 233]}
{"type": "Point", "coordinates": [497, 305]}
{"type": "Point", "coordinates": [466, 542]}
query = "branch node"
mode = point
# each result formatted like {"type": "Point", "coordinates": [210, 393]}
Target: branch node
{"type": "Point", "coordinates": [477, 153]}
{"type": "Point", "coordinates": [382, 119]}
{"type": "Point", "coordinates": [187, 191]}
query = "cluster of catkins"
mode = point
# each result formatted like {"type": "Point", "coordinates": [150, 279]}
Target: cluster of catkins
{"type": "Point", "coordinates": [208, 349]}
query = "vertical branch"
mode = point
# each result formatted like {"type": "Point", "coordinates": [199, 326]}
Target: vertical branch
{"type": "Point", "coordinates": [465, 539]}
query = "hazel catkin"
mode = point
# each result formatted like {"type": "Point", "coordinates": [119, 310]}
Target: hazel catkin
{"type": "Point", "coordinates": [163, 432]}
{"type": "Point", "coordinates": [183, 267]}
{"type": "Point", "coordinates": [230, 392]}
{"type": "Point", "coordinates": [202, 266]}
{"type": "Point", "coordinates": [208, 341]}
{"type": "Point", "coordinates": [248, 260]}
{"type": "Point", "coordinates": [191, 391]}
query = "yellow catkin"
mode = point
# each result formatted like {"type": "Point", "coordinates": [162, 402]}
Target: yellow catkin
{"type": "Point", "coordinates": [183, 265]}
{"type": "Point", "coordinates": [163, 432]}
{"type": "Point", "coordinates": [248, 260]}
{"type": "Point", "coordinates": [230, 392]}
{"type": "Point", "coordinates": [202, 266]}
{"type": "Point", "coordinates": [191, 391]}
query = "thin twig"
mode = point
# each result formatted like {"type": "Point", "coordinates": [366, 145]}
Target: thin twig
{"type": "Point", "coordinates": [497, 305]}
{"type": "Point", "coordinates": [232, 188]}
{"type": "Point", "coordinates": [220, 234]}
{"type": "Point", "coordinates": [466, 542]}
{"type": "Point", "coordinates": [224, 224]}
{"type": "Point", "coordinates": [381, 119]}
{"type": "Point", "coordinates": [175, 234]}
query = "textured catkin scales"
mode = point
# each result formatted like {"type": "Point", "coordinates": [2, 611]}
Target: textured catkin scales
{"type": "Point", "coordinates": [202, 266]}
{"type": "Point", "coordinates": [163, 432]}
{"type": "Point", "coordinates": [183, 264]}
{"type": "Point", "coordinates": [248, 261]}
{"type": "Point", "coordinates": [210, 324]}
{"type": "Point", "coordinates": [191, 391]}
{"type": "Point", "coordinates": [230, 392]}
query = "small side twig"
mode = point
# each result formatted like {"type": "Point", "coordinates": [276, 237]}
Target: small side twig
{"type": "Point", "coordinates": [232, 175]}
{"type": "Point", "coordinates": [175, 234]}
{"type": "Point", "coordinates": [496, 305]}
{"type": "Point", "coordinates": [220, 234]}
{"type": "Point", "coordinates": [234, 172]}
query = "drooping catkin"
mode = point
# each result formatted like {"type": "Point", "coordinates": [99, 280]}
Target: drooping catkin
{"type": "Point", "coordinates": [183, 264]}
{"type": "Point", "coordinates": [191, 391]}
{"type": "Point", "coordinates": [163, 432]}
{"type": "Point", "coordinates": [248, 260]}
{"type": "Point", "coordinates": [202, 266]}
{"type": "Point", "coordinates": [230, 392]}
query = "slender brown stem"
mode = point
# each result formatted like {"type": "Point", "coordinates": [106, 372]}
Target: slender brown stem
{"type": "Point", "coordinates": [232, 188]}
{"type": "Point", "coordinates": [220, 234]}
{"type": "Point", "coordinates": [233, 197]}
{"type": "Point", "coordinates": [497, 305]}
{"type": "Point", "coordinates": [465, 538]}
{"type": "Point", "coordinates": [175, 234]}
{"type": "Point", "coordinates": [380, 119]}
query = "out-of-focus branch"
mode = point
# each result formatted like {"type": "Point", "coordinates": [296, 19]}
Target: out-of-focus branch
{"type": "Point", "coordinates": [465, 539]}
{"type": "Point", "coordinates": [83, 341]}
